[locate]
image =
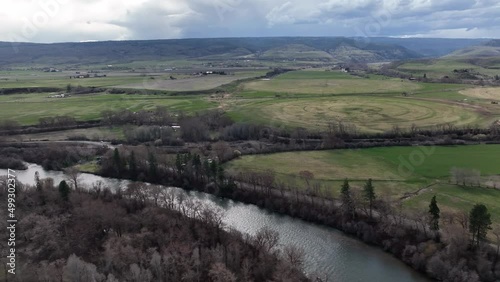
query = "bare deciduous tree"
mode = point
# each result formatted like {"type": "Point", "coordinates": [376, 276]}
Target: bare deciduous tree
{"type": "Point", "coordinates": [73, 174]}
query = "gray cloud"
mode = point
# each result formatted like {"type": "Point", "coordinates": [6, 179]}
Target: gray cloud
{"type": "Point", "coordinates": [81, 20]}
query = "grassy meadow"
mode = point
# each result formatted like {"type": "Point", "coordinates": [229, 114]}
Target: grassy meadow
{"type": "Point", "coordinates": [369, 114]}
{"type": "Point", "coordinates": [29, 108]}
{"type": "Point", "coordinates": [142, 79]}
{"type": "Point", "coordinates": [95, 133]}
{"type": "Point", "coordinates": [443, 67]}
{"type": "Point", "coordinates": [395, 171]}
{"type": "Point", "coordinates": [313, 98]}
{"type": "Point", "coordinates": [190, 83]}
{"type": "Point", "coordinates": [307, 98]}
{"type": "Point", "coordinates": [330, 82]}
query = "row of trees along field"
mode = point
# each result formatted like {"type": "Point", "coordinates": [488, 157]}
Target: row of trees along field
{"type": "Point", "coordinates": [216, 125]}
{"type": "Point", "coordinates": [69, 234]}
{"type": "Point", "coordinates": [447, 246]}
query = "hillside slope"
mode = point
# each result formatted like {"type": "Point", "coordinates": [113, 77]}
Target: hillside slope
{"type": "Point", "coordinates": [302, 48]}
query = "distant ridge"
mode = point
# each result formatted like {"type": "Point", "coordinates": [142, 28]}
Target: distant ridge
{"type": "Point", "coordinates": [274, 48]}
{"type": "Point", "coordinates": [488, 49]}
{"type": "Point", "coordinates": [493, 43]}
{"type": "Point", "coordinates": [325, 49]}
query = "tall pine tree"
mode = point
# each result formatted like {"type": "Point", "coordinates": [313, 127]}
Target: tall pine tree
{"type": "Point", "coordinates": [369, 194]}
{"type": "Point", "coordinates": [64, 190]}
{"type": "Point", "coordinates": [153, 167]}
{"type": "Point", "coordinates": [132, 166]}
{"type": "Point", "coordinates": [348, 207]}
{"type": "Point", "coordinates": [117, 161]}
{"type": "Point", "coordinates": [434, 215]}
{"type": "Point", "coordinates": [479, 223]}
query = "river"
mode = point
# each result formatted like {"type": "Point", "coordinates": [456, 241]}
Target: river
{"type": "Point", "coordinates": [327, 250]}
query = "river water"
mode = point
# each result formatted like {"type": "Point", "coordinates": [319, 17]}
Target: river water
{"type": "Point", "coordinates": [327, 251]}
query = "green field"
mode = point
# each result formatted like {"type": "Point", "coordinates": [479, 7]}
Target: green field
{"type": "Point", "coordinates": [95, 134]}
{"type": "Point", "coordinates": [442, 67]}
{"type": "Point", "coordinates": [313, 98]}
{"type": "Point", "coordinates": [142, 79]}
{"type": "Point", "coordinates": [458, 199]}
{"type": "Point", "coordinates": [29, 108]}
{"type": "Point", "coordinates": [190, 83]}
{"type": "Point", "coordinates": [331, 82]}
{"type": "Point", "coordinates": [368, 113]}
{"type": "Point", "coordinates": [395, 171]}
{"type": "Point", "coordinates": [309, 98]}
{"type": "Point", "coordinates": [23, 79]}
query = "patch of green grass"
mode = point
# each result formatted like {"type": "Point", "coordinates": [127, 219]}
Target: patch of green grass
{"type": "Point", "coordinates": [326, 165]}
{"type": "Point", "coordinates": [441, 67]}
{"type": "Point", "coordinates": [89, 167]}
{"type": "Point", "coordinates": [315, 74]}
{"type": "Point", "coordinates": [368, 113]}
{"type": "Point", "coordinates": [96, 133]}
{"type": "Point", "coordinates": [60, 81]}
{"type": "Point", "coordinates": [331, 82]}
{"type": "Point", "coordinates": [29, 108]}
{"type": "Point", "coordinates": [436, 162]}
{"type": "Point", "coordinates": [395, 171]}
{"type": "Point", "coordinates": [386, 163]}
{"type": "Point", "coordinates": [458, 198]}
{"type": "Point", "coordinates": [190, 83]}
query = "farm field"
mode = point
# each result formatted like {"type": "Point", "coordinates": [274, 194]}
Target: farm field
{"type": "Point", "coordinates": [369, 114]}
{"type": "Point", "coordinates": [313, 98]}
{"type": "Point", "coordinates": [395, 171]}
{"type": "Point", "coordinates": [387, 163]}
{"type": "Point", "coordinates": [490, 93]}
{"type": "Point", "coordinates": [308, 104]}
{"type": "Point", "coordinates": [95, 133]}
{"type": "Point", "coordinates": [29, 108]}
{"type": "Point", "coordinates": [458, 199]}
{"type": "Point", "coordinates": [330, 82]}
{"type": "Point", "coordinates": [143, 79]}
{"type": "Point", "coordinates": [190, 83]}
{"type": "Point", "coordinates": [61, 80]}
{"type": "Point", "coordinates": [442, 67]}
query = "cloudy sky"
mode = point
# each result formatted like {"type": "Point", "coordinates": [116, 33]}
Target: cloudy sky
{"type": "Point", "coordinates": [85, 20]}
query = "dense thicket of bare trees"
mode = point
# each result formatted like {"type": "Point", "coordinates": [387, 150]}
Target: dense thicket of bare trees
{"type": "Point", "coordinates": [50, 156]}
{"type": "Point", "coordinates": [145, 233]}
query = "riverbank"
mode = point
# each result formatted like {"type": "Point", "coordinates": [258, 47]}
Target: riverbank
{"type": "Point", "coordinates": [327, 251]}
{"type": "Point", "coordinates": [97, 235]}
{"type": "Point", "coordinates": [405, 235]}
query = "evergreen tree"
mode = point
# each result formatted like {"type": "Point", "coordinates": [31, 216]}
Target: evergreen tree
{"type": "Point", "coordinates": [153, 167]}
{"type": "Point", "coordinates": [220, 174]}
{"type": "Point", "coordinates": [434, 215]}
{"type": "Point", "coordinates": [39, 189]}
{"type": "Point", "coordinates": [178, 163]}
{"type": "Point", "coordinates": [347, 202]}
{"type": "Point", "coordinates": [213, 169]}
{"type": "Point", "coordinates": [64, 190]}
{"type": "Point", "coordinates": [132, 165]}
{"type": "Point", "coordinates": [369, 194]}
{"type": "Point", "coordinates": [479, 223]}
{"type": "Point", "coordinates": [197, 165]}
{"type": "Point", "coordinates": [117, 161]}
{"type": "Point", "coordinates": [206, 168]}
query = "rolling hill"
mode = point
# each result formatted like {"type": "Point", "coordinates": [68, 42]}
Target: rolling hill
{"type": "Point", "coordinates": [108, 52]}
{"type": "Point", "coordinates": [488, 49]}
